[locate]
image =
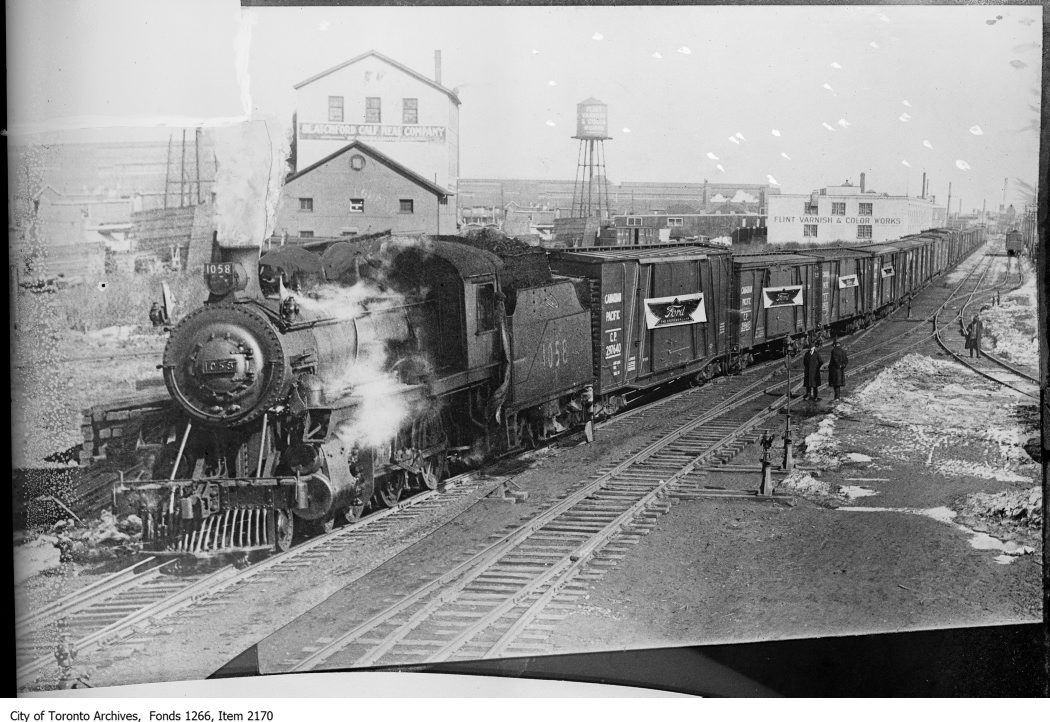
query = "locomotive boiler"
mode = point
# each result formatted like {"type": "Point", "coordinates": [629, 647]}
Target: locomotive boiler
{"type": "Point", "coordinates": [313, 385]}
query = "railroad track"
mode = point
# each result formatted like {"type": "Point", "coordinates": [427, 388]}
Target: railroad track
{"type": "Point", "coordinates": [501, 600]}
{"type": "Point", "coordinates": [1007, 374]}
{"type": "Point", "coordinates": [113, 611]}
{"type": "Point", "coordinates": [570, 543]}
{"type": "Point", "coordinates": [103, 612]}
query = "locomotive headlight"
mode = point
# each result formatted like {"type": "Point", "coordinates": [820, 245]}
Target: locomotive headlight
{"type": "Point", "coordinates": [225, 278]}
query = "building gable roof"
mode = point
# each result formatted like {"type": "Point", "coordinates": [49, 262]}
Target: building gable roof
{"type": "Point", "coordinates": [372, 53]}
{"type": "Point", "coordinates": [381, 158]}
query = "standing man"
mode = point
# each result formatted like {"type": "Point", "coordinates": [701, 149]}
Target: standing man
{"type": "Point", "coordinates": [973, 336]}
{"type": "Point", "coordinates": [156, 316]}
{"type": "Point", "coordinates": [811, 363]}
{"type": "Point", "coordinates": [837, 367]}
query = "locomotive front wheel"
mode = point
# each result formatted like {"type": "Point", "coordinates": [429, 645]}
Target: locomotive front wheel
{"type": "Point", "coordinates": [431, 476]}
{"type": "Point", "coordinates": [285, 530]}
{"type": "Point", "coordinates": [390, 488]}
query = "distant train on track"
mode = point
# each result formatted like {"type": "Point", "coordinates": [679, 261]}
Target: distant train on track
{"type": "Point", "coordinates": [316, 383]}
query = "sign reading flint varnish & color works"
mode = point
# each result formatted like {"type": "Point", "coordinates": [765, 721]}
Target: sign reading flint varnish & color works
{"type": "Point", "coordinates": [675, 310]}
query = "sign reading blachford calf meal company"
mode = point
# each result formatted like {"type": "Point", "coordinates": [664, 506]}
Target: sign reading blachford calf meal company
{"type": "Point", "coordinates": [675, 310]}
{"type": "Point", "coordinates": [350, 131]}
{"type": "Point", "coordinates": [781, 296]}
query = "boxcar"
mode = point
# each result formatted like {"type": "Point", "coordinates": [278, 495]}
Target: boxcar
{"type": "Point", "coordinates": [915, 264]}
{"type": "Point", "coordinates": [1014, 243]}
{"type": "Point", "coordinates": [844, 275]}
{"type": "Point", "coordinates": [775, 296]}
{"type": "Point", "coordinates": [657, 313]}
{"type": "Point", "coordinates": [884, 260]}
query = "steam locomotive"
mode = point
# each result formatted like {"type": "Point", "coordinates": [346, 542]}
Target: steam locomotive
{"type": "Point", "coordinates": [316, 383]}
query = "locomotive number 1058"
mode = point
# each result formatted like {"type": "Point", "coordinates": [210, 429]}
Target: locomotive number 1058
{"type": "Point", "coordinates": [555, 353]}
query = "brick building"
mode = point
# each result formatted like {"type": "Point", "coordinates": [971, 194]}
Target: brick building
{"type": "Point", "coordinates": [358, 190]}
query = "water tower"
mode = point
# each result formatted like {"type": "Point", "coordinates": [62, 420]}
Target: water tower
{"type": "Point", "coordinates": [590, 192]}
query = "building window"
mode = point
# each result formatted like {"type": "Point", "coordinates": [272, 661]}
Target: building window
{"type": "Point", "coordinates": [357, 205]}
{"type": "Point", "coordinates": [373, 110]}
{"type": "Point", "coordinates": [809, 230]}
{"type": "Point", "coordinates": [410, 110]}
{"type": "Point", "coordinates": [407, 205]}
{"type": "Point", "coordinates": [306, 234]}
{"type": "Point", "coordinates": [809, 209]}
{"type": "Point", "coordinates": [443, 200]}
{"type": "Point", "coordinates": [486, 308]}
{"type": "Point", "coordinates": [865, 209]}
{"type": "Point", "coordinates": [634, 221]}
{"type": "Point", "coordinates": [838, 209]}
{"type": "Point", "coordinates": [674, 222]}
{"type": "Point", "coordinates": [306, 205]}
{"type": "Point", "coordinates": [357, 161]}
{"type": "Point", "coordinates": [864, 232]}
{"type": "Point", "coordinates": [335, 108]}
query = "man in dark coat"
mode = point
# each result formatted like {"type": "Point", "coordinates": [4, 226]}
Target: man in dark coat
{"type": "Point", "coordinates": [156, 315]}
{"type": "Point", "coordinates": [973, 337]}
{"type": "Point", "coordinates": [837, 367]}
{"type": "Point", "coordinates": [811, 364]}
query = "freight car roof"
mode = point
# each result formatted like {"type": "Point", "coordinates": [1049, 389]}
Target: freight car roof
{"type": "Point", "coordinates": [839, 252]}
{"type": "Point", "coordinates": [879, 248]}
{"type": "Point", "coordinates": [765, 259]}
{"type": "Point", "coordinates": [684, 252]}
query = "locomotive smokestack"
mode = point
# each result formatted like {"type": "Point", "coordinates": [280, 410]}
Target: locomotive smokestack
{"type": "Point", "coordinates": [437, 67]}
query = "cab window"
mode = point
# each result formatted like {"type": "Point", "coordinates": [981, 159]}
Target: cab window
{"type": "Point", "coordinates": [486, 307]}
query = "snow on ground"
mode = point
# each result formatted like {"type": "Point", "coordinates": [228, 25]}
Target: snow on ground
{"type": "Point", "coordinates": [1010, 327]}
{"type": "Point", "coordinates": [939, 409]}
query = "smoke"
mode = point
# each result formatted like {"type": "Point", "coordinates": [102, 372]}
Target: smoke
{"type": "Point", "coordinates": [383, 403]}
{"type": "Point", "coordinates": [249, 171]}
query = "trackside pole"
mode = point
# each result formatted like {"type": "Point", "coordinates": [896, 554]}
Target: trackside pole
{"type": "Point", "coordinates": [789, 459]}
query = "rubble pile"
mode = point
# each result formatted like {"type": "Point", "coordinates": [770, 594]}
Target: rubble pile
{"type": "Point", "coordinates": [1019, 510]}
{"type": "Point", "coordinates": [100, 540]}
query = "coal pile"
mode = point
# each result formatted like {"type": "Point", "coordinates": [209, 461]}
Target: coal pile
{"type": "Point", "coordinates": [524, 266]}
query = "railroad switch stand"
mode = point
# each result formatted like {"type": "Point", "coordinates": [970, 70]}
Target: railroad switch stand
{"type": "Point", "coordinates": [766, 488]}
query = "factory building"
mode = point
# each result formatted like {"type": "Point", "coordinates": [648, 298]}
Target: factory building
{"type": "Point", "coordinates": [358, 190]}
{"type": "Point", "coordinates": [396, 110]}
{"type": "Point", "coordinates": [848, 214]}
{"type": "Point", "coordinates": [641, 229]}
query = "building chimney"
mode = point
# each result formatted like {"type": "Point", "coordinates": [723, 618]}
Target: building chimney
{"type": "Point", "coordinates": [923, 185]}
{"type": "Point", "coordinates": [861, 182]}
{"type": "Point", "coordinates": [437, 67]}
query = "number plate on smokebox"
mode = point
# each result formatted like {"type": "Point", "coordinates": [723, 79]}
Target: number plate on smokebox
{"type": "Point", "coordinates": [220, 366]}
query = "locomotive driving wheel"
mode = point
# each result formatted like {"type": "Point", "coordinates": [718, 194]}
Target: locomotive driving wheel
{"type": "Point", "coordinates": [353, 513]}
{"type": "Point", "coordinates": [284, 530]}
{"type": "Point", "coordinates": [390, 488]}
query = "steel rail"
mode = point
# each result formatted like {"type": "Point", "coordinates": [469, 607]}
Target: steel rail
{"type": "Point", "coordinates": [62, 606]}
{"type": "Point", "coordinates": [156, 610]}
{"type": "Point", "coordinates": [446, 587]}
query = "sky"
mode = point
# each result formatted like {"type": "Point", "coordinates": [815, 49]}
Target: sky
{"type": "Point", "coordinates": [800, 96]}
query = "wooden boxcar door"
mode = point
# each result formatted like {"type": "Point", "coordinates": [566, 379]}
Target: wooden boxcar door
{"type": "Point", "coordinates": [672, 346]}
{"type": "Point", "coordinates": [846, 297]}
{"type": "Point", "coordinates": [782, 321]}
